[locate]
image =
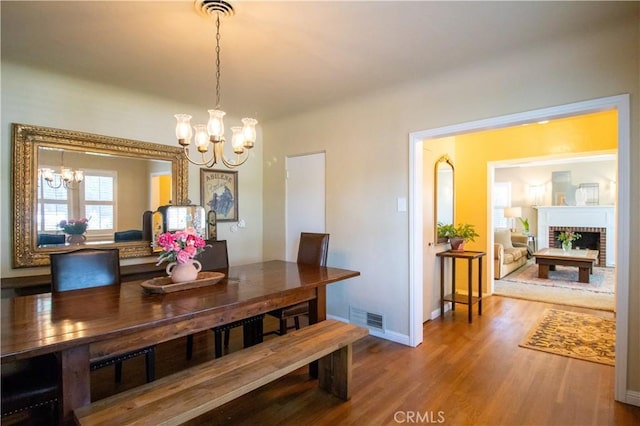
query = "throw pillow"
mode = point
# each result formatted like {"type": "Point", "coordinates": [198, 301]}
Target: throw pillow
{"type": "Point", "coordinates": [503, 236]}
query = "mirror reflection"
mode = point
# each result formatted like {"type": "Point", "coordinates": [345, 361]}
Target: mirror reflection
{"type": "Point", "coordinates": [443, 195]}
{"type": "Point", "coordinates": [102, 194]}
{"type": "Point", "coordinates": [73, 176]}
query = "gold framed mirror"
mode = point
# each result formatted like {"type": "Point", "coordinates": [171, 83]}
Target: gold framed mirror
{"type": "Point", "coordinates": [131, 168]}
{"type": "Point", "coordinates": [443, 204]}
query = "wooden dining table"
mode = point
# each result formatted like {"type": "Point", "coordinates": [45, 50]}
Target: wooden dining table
{"type": "Point", "coordinates": [101, 322]}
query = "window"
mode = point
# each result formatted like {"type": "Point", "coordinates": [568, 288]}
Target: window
{"type": "Point", "coordinates": [501, 200]}
{"type": "Point", "coordinates": [53, 205]}
{"type": "Point", "coordinates": [97, 200]}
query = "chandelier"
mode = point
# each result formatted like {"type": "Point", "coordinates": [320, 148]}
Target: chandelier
{"type": "Point", "coordinates": [67, 177]}
{"type": "Point", "coordinates": [212, 133]}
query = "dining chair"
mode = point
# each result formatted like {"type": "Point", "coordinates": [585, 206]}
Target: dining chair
{"type": "Point", "coordinates": [130, 235]}
{"type": "Point", "coordinates": [31, 390]}
{"type": "Point", "coordinates": [44, 239]}
{"type": "Point", "coordinates": [312, 250]}
{"type": "Point", "coordinates": [87, 268]}
{"type": "Point", "coordinates": [215, 257]}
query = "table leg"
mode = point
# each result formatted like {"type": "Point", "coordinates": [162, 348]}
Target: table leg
{"type": "Point", "coordinates": [470, 289]}
{"type": "Point", "coordinates": [442, 288]}
{"type": "Point", "coordinates": [317, 313]}
{"type": "Point", "coordinates": [543, 271]}
{"type": "Point", "coordinates": [583, 275]}
{"type": "Point", "coordinates": [480, 286]}
{"type": "Point", "coordinates": [75, 381]}
{"type": "Point", "coordinates": [453, 284]}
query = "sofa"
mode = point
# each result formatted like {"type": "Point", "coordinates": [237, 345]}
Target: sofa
{"type": "Point", "coordinates": [510, 252]}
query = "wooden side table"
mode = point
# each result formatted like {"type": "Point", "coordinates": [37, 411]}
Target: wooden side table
{"type": "Point", "coordinates": [454, 297]}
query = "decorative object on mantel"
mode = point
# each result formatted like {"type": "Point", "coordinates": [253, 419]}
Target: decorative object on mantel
{"type": "Point", "coordinates": [567, 238]}
{"type": "Point", "coordinates": [458, 235]}
{"type": "Point", "coordinates": [590, 192]}
{"type": "Point", "coordinates": [242, 139]}
{"type": "Point", "coordinates": [179, 249]}
{"type": "Point", "coordinates": [75, 228]}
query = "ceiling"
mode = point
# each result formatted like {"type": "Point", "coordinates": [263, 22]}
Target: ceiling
{"type": "Point", "coordinates": [280, 58]}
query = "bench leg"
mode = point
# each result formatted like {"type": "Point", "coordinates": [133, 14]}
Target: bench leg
{"type": "Point", "coordinates": [334, 373]}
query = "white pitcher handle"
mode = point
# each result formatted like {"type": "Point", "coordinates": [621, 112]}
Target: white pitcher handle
{"type": "Point", "coordinates": [197, 265]}
{"type": "Point", "coordinates": [170, 267]}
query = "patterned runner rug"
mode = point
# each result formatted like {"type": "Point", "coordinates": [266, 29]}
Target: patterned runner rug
{"type": "Point", "coordinates": [576, 335]}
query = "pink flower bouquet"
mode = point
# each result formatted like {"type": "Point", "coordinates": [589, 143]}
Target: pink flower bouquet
{"type": "Point", "coordinates": [74, 226]}
{"type": "Point", "coordinates": [180, 246]}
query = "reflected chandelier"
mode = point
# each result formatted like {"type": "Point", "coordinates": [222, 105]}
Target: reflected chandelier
{"type": "Point", "coordinates": [242, 139]}
{"type": "Point", "coordinates": [67, 177]}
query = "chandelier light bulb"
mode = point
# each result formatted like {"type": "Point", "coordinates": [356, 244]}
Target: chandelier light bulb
{"type": "Point", "coordinates": [249, 131]}
{"type": "Point", "coordinates": [201, 138]}
{"type": "Point", "coordinates": [47, 174]}
{"type": "Point", "coordinates": [78, 176]}
{"type": "Point", "coordinates": [215, 126]}
{"type": "Point", "coordinates": [183, 129]}
{"type": "Point", "coordinates": [237, 140]}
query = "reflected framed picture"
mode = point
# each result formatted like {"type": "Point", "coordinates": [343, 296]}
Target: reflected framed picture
{"type": "Point", "coordinates": [219, 192]}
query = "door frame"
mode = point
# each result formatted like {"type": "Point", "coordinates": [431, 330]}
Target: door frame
{"type": "Point", "coordinates": [623, 213]}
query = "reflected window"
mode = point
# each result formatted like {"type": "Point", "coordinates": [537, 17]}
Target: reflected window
{"type": "Point", "coordinates": [97, 200]}
{"type": "Point", "coordinates": [501, 200]}
{"type": "Point", "coordinates": [53, 205]}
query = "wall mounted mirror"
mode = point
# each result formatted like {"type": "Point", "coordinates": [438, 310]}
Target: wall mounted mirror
{"type": "Point", "coordinates": [443, 195]}
{"type": "Point", "coordinates": [120, 180]}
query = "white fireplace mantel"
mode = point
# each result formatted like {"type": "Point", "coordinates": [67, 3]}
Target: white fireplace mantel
{"type": "Point", "coordinates": [587, 216]}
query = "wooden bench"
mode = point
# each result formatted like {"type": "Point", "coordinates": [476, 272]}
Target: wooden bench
{"type": "Point", "coordinates": [184, 395]}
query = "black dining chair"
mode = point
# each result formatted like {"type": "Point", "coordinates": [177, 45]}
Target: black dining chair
{"type": "Point", "coordinates": [45, 239]}
{"type": "Point", "coordinates": [130, 235]}
{"type": "Point", "coordinates": [215, 257]}
{"type": "Point", "coordinates": [87, 268]}
{"type": "Point", "coordinates": [313, 250]}
{"type": "Point", "coordinates": [31, 391]}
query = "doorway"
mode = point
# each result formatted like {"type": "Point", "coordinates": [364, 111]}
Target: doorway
{"type": "Point", "coordinates": [416, 243]}
{"type": "Point", "coordinates": [304, 199]}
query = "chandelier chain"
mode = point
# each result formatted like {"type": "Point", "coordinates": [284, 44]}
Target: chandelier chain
{"type": "Point", "coordinates": [218, 61]}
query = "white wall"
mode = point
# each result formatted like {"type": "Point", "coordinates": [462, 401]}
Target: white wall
{"type": "Point", "coordinates": [600, 172]}
{"type": "Point", "coordinates": [35, 97]}
{"type": "Point", "coordinates": [366, 141]}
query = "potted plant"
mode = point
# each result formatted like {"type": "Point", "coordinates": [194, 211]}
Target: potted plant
{"type": "Point", "coordinates": [458, 235]}
{"type": "Point", "coordinates": [525, 224]}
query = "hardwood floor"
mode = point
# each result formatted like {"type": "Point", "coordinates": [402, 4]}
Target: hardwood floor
{"type": "Point", "coordinates": [462, 374]}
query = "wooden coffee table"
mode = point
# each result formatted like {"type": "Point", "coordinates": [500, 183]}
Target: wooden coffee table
{"type": "Point", "coordinates": [548, 258]}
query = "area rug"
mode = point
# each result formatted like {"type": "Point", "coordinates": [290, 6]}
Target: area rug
{"type": "Point", "coordinates": [601, 281]}
{"type": "Point", "coordinates": [561, 288]}
{"type": "Point", "coordinates": [576, 335]}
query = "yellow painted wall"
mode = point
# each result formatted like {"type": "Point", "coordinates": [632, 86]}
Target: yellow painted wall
{"type": "Point", "coordinates": [587, 133]}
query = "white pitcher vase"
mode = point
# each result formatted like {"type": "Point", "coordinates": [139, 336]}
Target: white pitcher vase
{"type": "Point", "coordinates": [183, 272]}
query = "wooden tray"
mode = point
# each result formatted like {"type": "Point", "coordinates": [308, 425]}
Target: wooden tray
{"type": "Point", "coordinates": [164, 284]}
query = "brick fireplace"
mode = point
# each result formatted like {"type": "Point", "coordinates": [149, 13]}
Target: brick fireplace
{"type": "Point", "coordinates": [596, 224]}
{"type": "Point", "coordinates": [591, 238]}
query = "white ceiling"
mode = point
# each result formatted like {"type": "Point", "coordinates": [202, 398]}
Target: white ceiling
{"type": "Point", "coordinates": [282, 57]}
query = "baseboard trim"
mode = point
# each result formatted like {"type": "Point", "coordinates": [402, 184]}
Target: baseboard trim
{"type": "Point", "coordinates": [386, 334]}
{"type": "Point", "coordinates": [633, 398]}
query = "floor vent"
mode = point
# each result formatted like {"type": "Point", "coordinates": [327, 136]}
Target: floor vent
{"type": "Point", "coordinates": [367, 319]}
